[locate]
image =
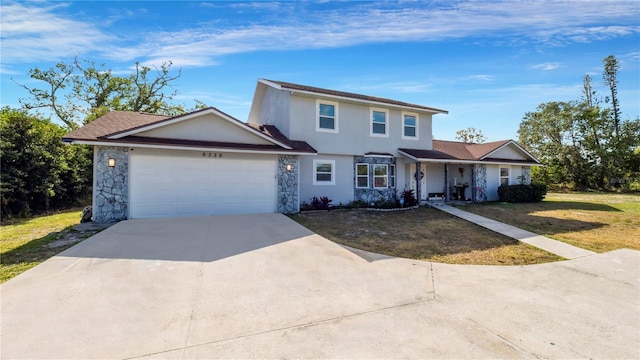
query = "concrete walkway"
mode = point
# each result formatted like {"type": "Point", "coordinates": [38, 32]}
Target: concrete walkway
{"type": "Point", "coordinates": [553, 246]}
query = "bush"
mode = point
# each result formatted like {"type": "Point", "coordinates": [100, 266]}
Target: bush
{"type": "Point", "coordinates": [409, 198]}
{"type": "Point", "coordinates": [317, 203]}
{"type": "Point", "coordinates": [522, 193]}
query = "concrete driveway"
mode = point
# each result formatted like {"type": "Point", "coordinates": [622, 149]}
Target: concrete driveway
{"type": "Point", "coordinates": [261, 286]}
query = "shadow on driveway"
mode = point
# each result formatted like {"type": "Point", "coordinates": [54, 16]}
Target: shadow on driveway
{"type": "Point", "coordinates": [202, 239]}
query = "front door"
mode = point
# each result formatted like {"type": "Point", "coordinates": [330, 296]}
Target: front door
{"type": "Point", "coordinates": [423, 181]}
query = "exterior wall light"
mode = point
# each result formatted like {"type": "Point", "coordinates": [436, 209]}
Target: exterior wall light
{"type": "Point", "coordinates": [111, 162]}
{"type": "Point", "coordinates": [289, 167]}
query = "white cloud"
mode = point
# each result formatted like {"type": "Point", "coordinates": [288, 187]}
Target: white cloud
{"type": "Point", "coordinates": [547, 66]}
{"type": "Point", "coordinates": [32, 32]}
{"type": "Point", "coordinates": [479, 77]}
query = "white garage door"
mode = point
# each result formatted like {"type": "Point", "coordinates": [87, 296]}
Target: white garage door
{"type": "Point", "coordinates": [186, 183]}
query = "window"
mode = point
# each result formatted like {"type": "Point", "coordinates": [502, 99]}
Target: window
{"type": "Point", "coordinates": [392, 176]}
{"type": "Point", "coordinates": [327, 119]}
{"type": "Point", "coordinates": [323, 172]}
{"type": "Point", "coordinates": [379, 176]}
{"type": "Point", "coordinates": [409, 126]}
{"type": "Point", "coordinates": [504, 176]}
{"type": "Point", "coordinates": [362, 175]}
{"type": "Point", "coordinates": [379, 122]}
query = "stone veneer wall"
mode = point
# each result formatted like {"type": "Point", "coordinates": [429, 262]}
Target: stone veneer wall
{"type": "Point", "coordinates": [111, 185]}
{"type": "Point", "coordinates": [372, 194]}
{"type": "Point", "coordinates": [288, 184]}
{"type": "Point", "coordinates": [481, 183]}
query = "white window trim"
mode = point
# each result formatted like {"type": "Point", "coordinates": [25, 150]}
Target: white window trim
{"type": "Point", "coordinates": [417, 122]}
{"type": "Point", "coordinates": [392, 176]}
{"type": "Point", "coordinates": [333, 172]}
{"type": "Point", "coordinates": [386, 122]}
{"type": "Point", "coordinates": [386, 176]}
{"type": "Point", "coordinates": [500, 177]}
{"type": "Point", "coordinates": [335, 123]}
{"type": "Point", "coordinates": [357, 176]}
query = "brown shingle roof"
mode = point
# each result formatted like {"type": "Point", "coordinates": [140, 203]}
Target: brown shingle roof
{"type": "Point", "coordinates": [455, 150]}
{"type": "Point", "coordinates": [116, 122]}
{"type": "Point", "coordinates": [466, 151]}
{"type": "Point", "coordinates": [317, 90]}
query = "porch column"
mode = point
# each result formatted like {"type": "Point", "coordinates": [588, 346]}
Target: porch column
{"type": "Point", "coordinates": [473, 183]}
{"type": "Point", "coordinates": [446, 183]}
{"type": "Point", "coordinates": [418, 181]}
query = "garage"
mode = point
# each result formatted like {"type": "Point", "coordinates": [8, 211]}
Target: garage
{"type": "Point", "coordinates": [189, 183]}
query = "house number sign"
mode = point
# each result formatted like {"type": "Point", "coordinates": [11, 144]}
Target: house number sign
{"type": "Point", "coordinates": [211, 155]}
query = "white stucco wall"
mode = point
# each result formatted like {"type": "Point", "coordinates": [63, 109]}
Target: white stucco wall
{"type": "Point", "coordinates": [341, 191]}
{"type": "Point", "coordinates": [509, 152]}
{"type": "Point", "coordinates": [354, 136]}
{"type": "Point", "coordinates": [274, 110]}
{"type": "Point", "coordinates": [493, 182]}
{"type": "Point", "coordinates": [206, 128]}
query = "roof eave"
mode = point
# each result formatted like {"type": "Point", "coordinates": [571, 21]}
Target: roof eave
{"type": "Point", "coordinates": [105, 142]}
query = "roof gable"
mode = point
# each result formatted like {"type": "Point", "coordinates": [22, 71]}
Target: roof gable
{"type": "Point", "coordinates": [206, 127]}
{"type": "Point", "coordinates": [190, 117]}
{"type": "Point", "coordinates": [203, 130]}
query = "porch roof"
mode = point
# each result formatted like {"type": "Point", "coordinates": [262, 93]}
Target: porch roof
{"type": "Point", "coordinates": [460, 152]}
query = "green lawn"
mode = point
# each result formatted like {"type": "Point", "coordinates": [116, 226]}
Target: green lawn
{"type": "Point", "coordinates": [595, 221]}
{"type": "Point", "coordinates": [24, 242]}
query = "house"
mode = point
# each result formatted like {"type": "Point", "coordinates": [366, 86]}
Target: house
{"type": "Point", "coordinates": [299, 142]}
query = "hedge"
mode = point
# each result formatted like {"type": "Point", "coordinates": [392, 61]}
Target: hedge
{"type": "Point", "coordinates": [522, 193]}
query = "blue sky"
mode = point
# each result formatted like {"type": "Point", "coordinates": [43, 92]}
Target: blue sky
{"type": "Point", "coordinates": [487, 62]}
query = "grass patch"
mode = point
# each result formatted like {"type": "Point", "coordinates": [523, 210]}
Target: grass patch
{"type": "Point", "coordinates": [424, 234]}
{"type": "Point", "coordinates": [25, 243]}
{"type": "Point", "coordinates": [598, 222]}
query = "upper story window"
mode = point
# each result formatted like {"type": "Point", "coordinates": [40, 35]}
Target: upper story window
{"type": "Point", "coordinates": [379, 122]}
{"type": "Point", "coordinates": [504, 176]}
{"type": "Point", "coordinates": [409, 126]}
{"type": "Point", "coordinates": [324, 172]}
{"type": "Point", "coordinates": [327, 116]}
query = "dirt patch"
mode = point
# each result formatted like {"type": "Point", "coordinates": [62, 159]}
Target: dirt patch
{"type": "Point", "coordinates": [77, 233]}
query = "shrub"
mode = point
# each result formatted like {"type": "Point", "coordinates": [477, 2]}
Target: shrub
{"type": "Point", "coordinates": [317, 203]}
{"type": "Point", "coordinates": [356, 204]}
{"type": "Point", "coordinates": [522, 193]}
{"type": "Point", "coordinates": [383, 203]}
{"type": "Point", "coordinates": [409, 198]}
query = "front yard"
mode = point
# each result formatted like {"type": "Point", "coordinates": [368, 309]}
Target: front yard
{"type": "Point", "coordinates": [423, 233]}
{"type": "Point", "coordinates": [595, 221]}
{"type": "Point", "coordinates": [598, 222]}
{"type": "Point", "coordinates": [25, 243]}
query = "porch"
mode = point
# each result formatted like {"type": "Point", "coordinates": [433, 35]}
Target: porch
{"type": "Point", "coordinates": [439, 182]}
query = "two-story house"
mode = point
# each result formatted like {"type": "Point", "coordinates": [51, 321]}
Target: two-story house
{"type": "Point", "coordinates": [299, 142]}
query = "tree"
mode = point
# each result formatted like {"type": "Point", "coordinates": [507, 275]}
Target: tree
{"type": "Point", "coordinates": [80, 91]}
{"type": "Point", "coordinates": [610, 75]}
{"type": "Point", "coordinates": [39, 173]}
{"type": "Point", "coordinates": [471, 135]}
{"type": "Point", "coordinates": [583, 143]}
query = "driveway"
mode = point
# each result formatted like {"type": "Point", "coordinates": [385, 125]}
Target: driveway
{"type": "Point", "coordinates": [262, 286]}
